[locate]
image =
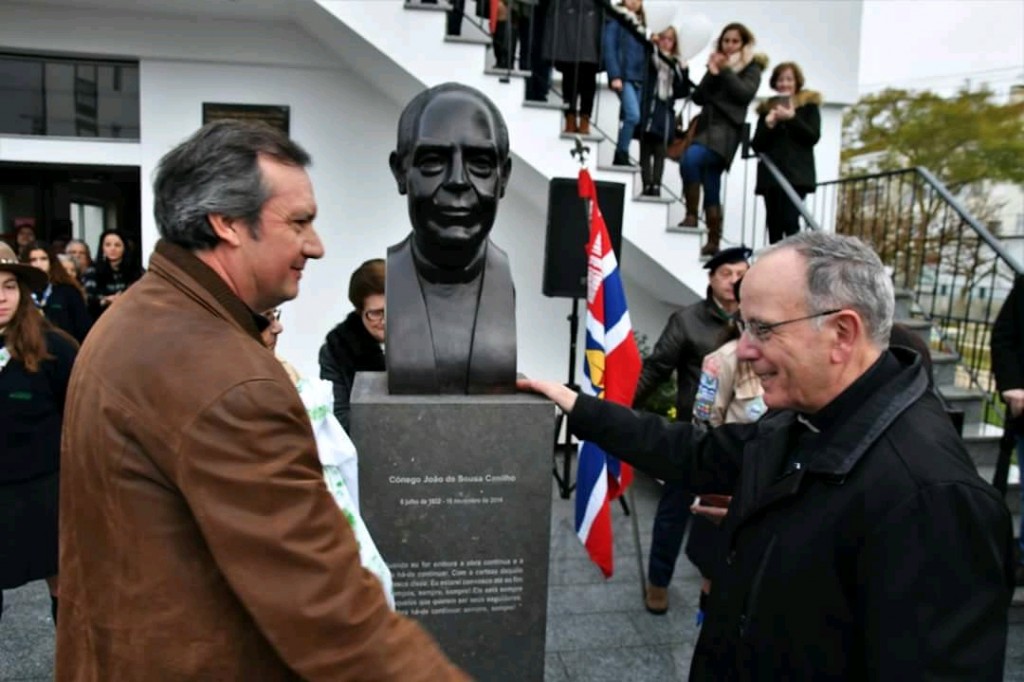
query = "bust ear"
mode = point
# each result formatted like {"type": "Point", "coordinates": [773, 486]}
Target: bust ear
{"type": "Point", "coordinates": [398, 171]}
{"type": "Point", "coordinates": [506, 172]}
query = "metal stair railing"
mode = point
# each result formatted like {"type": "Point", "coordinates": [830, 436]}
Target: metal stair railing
{"type": "Point", "coordinates": [956, 270]}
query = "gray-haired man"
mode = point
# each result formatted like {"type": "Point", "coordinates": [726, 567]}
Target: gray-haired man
{"type": "Point", "coordinates": [861, 543]}
{"type": "Point", "coordinates": [198, 541]}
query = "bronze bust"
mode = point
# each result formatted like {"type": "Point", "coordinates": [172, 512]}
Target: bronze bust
{"type": "Point", "coordinates": [450, 299]}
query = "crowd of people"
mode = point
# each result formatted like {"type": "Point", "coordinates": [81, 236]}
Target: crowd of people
{"type": "Point", "coordinates": [221, 498]}
{"type": "Point", "coordinates": [581, 38]}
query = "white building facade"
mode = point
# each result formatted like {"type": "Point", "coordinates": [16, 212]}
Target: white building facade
{"type": "Point", "coordinates": [344, 69]}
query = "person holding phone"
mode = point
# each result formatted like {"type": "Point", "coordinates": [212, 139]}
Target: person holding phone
{"type": "Point", "coordinates": [724, 95]}
{"type": "Point", "coordinates": [788, 127]}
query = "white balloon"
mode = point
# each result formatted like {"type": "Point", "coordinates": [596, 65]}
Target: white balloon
{"type": "Point", "coordinates": [695, 32]}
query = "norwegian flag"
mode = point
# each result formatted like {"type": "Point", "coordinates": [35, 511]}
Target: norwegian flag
{"type": "Point", "coordinates": [610, 372]}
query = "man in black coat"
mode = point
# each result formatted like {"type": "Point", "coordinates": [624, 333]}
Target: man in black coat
{"type": "Point", "coordinates": [1008, 367]}
{"type": "Point", "coordinates": [861, 544]}
{"type": "Point", "coordinates": [691, 333]}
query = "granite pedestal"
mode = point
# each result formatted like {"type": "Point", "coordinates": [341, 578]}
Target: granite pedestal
{"type": "Point", "coordinates": [456, 491]}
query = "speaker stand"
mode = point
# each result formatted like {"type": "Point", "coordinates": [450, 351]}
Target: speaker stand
{"type": "Point", "coordinates": [565, 447]}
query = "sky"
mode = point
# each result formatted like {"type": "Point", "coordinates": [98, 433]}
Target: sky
{"type": "Point", "coordinates": [938, 44]}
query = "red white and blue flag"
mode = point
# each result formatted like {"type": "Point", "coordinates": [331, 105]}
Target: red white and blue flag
{"type": "Point", "coordinates": [610, 372]}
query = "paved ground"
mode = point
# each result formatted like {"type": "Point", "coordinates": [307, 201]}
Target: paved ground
{"type": "Point", "coordinates": [597, 630]}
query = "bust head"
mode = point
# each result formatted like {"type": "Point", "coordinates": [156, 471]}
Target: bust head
{"type": "Point", "coordinates": [452, 163]}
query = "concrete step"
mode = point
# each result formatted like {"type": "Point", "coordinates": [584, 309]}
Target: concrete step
{"type": "Point", "coordinates": [922, 328]}
{"type": "Point", "coordinates": [968, 400]}
{"type": "Point", "coordinates": [550, 104]}
{"type": "Point", "coordinates": [982, 443]}
{"type": "Point", "coordinates": [619, 169]}
{"type": "Point", "coordinates": [439, 7]}
{"type": "Point", "coordinates": [904, 299]}
{"type": "Point", "coordinates": [944, 368]}
{"type": "Point", "coordinates": [478, 39]}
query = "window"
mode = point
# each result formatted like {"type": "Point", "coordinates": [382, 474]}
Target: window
{"type": "Point", "coordinates": [68, 97]}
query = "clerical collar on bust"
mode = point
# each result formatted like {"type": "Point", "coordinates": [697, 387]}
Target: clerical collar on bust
{"type": "Point", "coordinates": [437, 275]}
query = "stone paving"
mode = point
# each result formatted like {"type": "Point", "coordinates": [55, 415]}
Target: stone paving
{"type": "Point", "coordinates": [597, 631]}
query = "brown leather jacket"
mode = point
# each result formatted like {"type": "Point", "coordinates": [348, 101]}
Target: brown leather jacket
{"type": "Point", "coordinates": [198, 540]}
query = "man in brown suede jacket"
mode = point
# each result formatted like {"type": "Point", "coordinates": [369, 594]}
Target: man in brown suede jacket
{"type": "Point", "coordinates": [198, 540]}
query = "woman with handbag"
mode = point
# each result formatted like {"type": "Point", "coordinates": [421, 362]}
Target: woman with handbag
{"type": "Point", "coordinates": [668, 79]}
{"type": "Point", "coordinates": [788, 127]}
{"type": "Point", "coordinates": [724, 94]}
{"type": "Point", "coordinates": [35, 367]}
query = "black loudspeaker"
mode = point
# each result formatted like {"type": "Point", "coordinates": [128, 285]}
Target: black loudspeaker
{"type": "Point", "coordinates": [565, 247]}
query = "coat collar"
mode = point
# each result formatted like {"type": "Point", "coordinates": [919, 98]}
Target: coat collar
{"type": "Point", "coordinates": [194, 277]}
{"type": "Point", "coordinates": [842, 448]}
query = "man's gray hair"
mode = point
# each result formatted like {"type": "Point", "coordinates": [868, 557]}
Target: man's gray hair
{"type": "Point", "coordinates": [216, 171]}
{"type": "Point", "coordinates": [844, 272]}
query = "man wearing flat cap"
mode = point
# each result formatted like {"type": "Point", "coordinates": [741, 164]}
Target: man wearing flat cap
{"type": "Point", "coordinates": [691, 333]}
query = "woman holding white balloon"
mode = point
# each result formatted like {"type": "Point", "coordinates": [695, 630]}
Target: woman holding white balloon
{"type": "Point", "coordinates": [724, 94]}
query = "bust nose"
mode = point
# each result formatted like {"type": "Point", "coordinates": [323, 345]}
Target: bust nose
{"type": "Point", "coordinates": [456, 178]}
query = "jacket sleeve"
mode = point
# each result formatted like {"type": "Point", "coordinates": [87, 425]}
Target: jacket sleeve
{"type": "Point", "coordinates": [612, 40]}
{"type": "Point", "coordinates": [1007, 344]}
{"type": "Point", "coordinates": [762, 135]}
{"type": "Point", "coordinates": [331, 370]}
{"type": "Point", "coordinates": [936, 587]}
{"type": "Point", "coordinates": [254, 484]}
{"type": "Point", "coordinates": [680, 82]}
{"type": "Point", "coordinates": [703, 89]}
{"type": "Point", "coordinates": [805, 126]}
{"type": "Point", "coordinates": [81, 320]}
{"type": "Point", "coordinates": [740, 88]}
{"type": "Point", "coordinates": [659, 364]}
{"type": "Point", "coordinates": [701, 459]}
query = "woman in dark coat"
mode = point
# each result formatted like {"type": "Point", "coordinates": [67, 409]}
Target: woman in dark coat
{"type": "Point", "coordinates": [572, 42]}
{"type": "Point", "coordinates": [626, 51]}
{"type": "Point", "coordinates": [355, 344]}
{"type": "Point", "coordinates": [35, 366]}
{"type": "Point", "coordinates": [788, 127]}
{"type": "Point", "coordinates": [117, 268]}
{"type": "Point", "coordinates": [724, 94]}
{"type": "Point", "coordinates": [63, 298]}
{"type": "Point", "coordinates": [667, 81]}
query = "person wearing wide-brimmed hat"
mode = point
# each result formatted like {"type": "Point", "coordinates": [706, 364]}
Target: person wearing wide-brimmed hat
{"type": "Point", "coordinates": [35, 365]}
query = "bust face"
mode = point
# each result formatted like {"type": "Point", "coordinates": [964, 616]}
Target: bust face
{"type": "Point", "coordinates": [454, 178]}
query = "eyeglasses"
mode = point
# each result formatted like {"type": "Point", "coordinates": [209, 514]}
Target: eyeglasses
{"type": "Point", "coordinates": [273, 315]}
{"type": "Point", "coordinates": [375, 315]}
{"type": "Point", "coordinates": [761, 331]}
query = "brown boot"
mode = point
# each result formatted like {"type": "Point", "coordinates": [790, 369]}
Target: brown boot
{"type": "Point", "coordinates": [713, 216]}
{"type": "Point", "coordinates": [570, 123]}
{"type": "Point", "coordinates": [656, 599]}
{"type": "Point", "coordinates": [691, 196]}
{"type": "Point", "coordinates": [584, 125]}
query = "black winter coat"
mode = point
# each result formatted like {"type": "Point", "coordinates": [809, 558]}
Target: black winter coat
{"type": "Point", "coordinates": [65, 308]}
{"type": "Point", "coordinates": [691, 333]}
{"type": "Point", "coordinates": [349, 348]}
{"type": "Point", "coordinates": [572, 31]}
{"type": "Point", "coordinates": [1008, 346]}
{"type": "Point", "coordinates": [658, 117]}
{"type": "Point", "coordinates": [32, 411]}
{"type": "Point", "coordinates": [724, 100]}
{"type": "Point", "coordinates": [790, 144]}
{"type": "Point", "coordinates": [885, 558]}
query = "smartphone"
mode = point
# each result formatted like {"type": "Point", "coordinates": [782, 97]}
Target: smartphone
{"type": "Point", "coordinates": [779, 101]}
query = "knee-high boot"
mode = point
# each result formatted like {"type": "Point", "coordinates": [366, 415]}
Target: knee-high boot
{"type": "Point", "coordinates": [691, 197]}
{"type": "Point", "coordinates": [713, 216]}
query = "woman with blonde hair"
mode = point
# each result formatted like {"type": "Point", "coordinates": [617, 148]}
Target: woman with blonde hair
{"type": "Point", "coordinates": [668, 79]}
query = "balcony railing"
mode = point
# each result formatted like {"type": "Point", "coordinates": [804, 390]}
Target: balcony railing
{"type": "Point", "coordinates": [957, 271]}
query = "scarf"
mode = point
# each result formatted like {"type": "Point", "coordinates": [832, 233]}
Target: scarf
{"type": "Point", "coordinates": [664, 70]}
{"type": "Point", "coordinates": [42, 299]}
